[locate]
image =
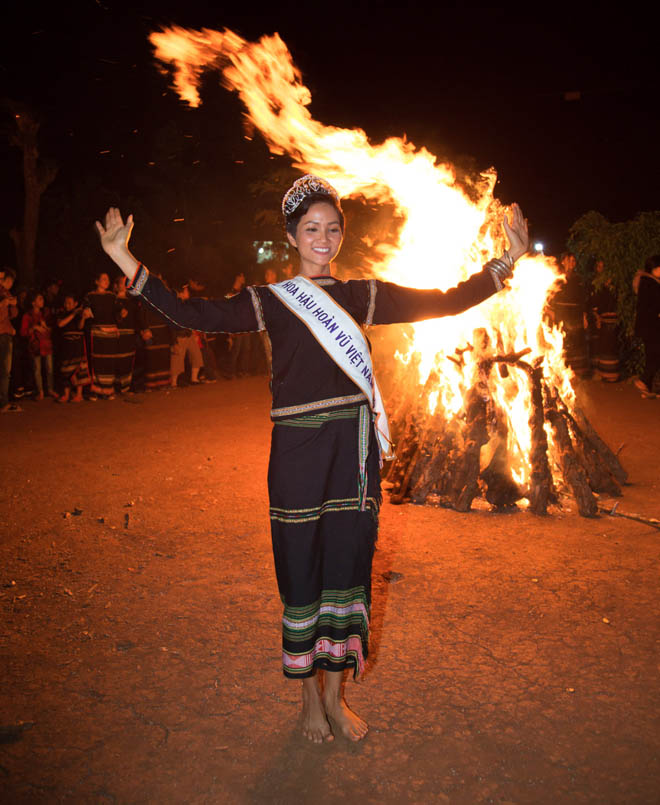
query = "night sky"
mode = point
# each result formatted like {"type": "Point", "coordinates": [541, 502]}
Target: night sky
{"type": "Point", "coordinates": [565, 109]}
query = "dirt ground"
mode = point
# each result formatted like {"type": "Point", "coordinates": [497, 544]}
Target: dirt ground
{"type": "Point", "coordinates": [515, 659]}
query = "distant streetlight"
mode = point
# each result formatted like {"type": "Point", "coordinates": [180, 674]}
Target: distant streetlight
{"type": "Point", "coordinates": [538, 247]}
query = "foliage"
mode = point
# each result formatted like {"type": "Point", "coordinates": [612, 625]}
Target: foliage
{"type": "Point", "coordinates": [623, 247]}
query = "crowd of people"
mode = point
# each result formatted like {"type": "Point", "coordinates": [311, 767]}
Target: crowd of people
{"type": "Point", "coordinates": [588, 313]}
{"type": "Point", "coordinates": [57, 344]}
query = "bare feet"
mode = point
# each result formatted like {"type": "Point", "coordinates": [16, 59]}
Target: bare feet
{"type": "Point", "coordinates": [315, 725]}
{"type": "Point", "coordinates": [350, 723]}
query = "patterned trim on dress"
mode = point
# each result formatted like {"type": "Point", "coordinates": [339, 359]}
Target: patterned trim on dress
{"type": "Point", "coordinates": [316, 512]}
{"type": "Point", "coordinates": [318, 420]}
{"type": "Point", "coordinates": [335, 611]}
{"type": "Point", "coordinates": [258, 311]}
{"type": "Point", "coordinates": [139, 281]}
{"type": "Point", "coordinates": [316, 406]}
{"type": "Point", "coordinates": [369, 320]}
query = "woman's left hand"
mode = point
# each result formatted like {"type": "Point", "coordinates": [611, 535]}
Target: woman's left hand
{"type": "Point", "coordinates": [516, 232]}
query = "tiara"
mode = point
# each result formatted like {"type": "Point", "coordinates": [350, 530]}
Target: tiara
{"type": "Point", "coordinates": [303, 187]}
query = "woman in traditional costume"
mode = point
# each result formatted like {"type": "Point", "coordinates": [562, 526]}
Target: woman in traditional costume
{"type": "Point", "coordinates": [329, 429]}
{"type": "Point", "coordinates": [74, 371]}
{"type": "Point", "coordinates": [103, 337]}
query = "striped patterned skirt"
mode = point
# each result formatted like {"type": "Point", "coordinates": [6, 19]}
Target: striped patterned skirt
{"type": "Point", "coordinates": [104, 347]}
{"type": "Point", "coordinates": [157, 357]}
{"type": "Point", "coordinates": [125, 358]}
{"type": "Point", "coordinates": [324, 487]}
{"type": "Point", "coordinates": [73, 359]}
{"type": "Point", "coordinates": [607, 348]}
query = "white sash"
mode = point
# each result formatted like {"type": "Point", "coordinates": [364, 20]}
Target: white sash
{"type": "Point", "coordinates": [341, 337]}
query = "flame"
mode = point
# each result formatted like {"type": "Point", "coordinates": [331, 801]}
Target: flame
{"type": "Point", "coordinates": [445, 236]}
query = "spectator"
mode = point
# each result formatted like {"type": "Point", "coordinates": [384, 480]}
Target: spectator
{"type": "Point", "coordinates": [569, 308]}
{"type": "Point", "coordinates": [126, 310]}
{"type": "Point", "coordinates": [73, 367]}
{"type": "Point", "coordinates": [35, 326]}
{"type": "Point", "coordinates": [103, 337]}
{"type": "Point", "coordinates": [646, 285]}
{"type": "Point", "coordinates": [239, 343]}
{"type": "Point", "coordinates": [155, 335]}
{"type": "Point", "coordinates": [603, 306]}
{"type": "Point", "coordinates": [185, 344]}
{"type": "Point", "coordinates": [21, 364]}
{"type": "Point", "coordinates": [8, 310]}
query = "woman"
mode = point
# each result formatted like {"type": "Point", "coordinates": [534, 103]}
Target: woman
{"type": "Point", "coordinates": [126, 314]}
{"type": "Point", "coordinates": [103, 337]}
{"type": "Point", "coordinates": [74, 371]}
{"type": "Point", "coordinates": [646, 285]}
{"type": "Point", "coordinates": [35, 327]}
{"type": "Point", "coordinates": [604, 306]}
{"type": "Point", "coordinates": [323, 476]}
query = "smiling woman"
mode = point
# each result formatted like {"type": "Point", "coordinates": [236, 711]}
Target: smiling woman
{"type": "Point", "coordinates": [329, 433]}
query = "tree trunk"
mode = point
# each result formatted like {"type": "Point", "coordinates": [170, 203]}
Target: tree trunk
{"type": "Point", "coordinates": [37, 176]}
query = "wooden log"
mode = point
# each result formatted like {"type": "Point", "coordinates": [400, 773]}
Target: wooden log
{"type": "Point", "coordinates": [611, 461]}
{"type": "Point", "coordinates": [432, 467]}
{"type": "Point", "coordinates": [600, 478]}
{"type": "Point", "coordinates": [500, 488]}
{"type": "Point", "coordinates": [541, 487]}
{"type": "Point", "coordinates": [466, 482]}
{"type": "Point", "coordinates": [572, 470]}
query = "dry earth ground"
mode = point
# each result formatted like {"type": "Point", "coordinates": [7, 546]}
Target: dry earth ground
{"type": "Point", "coordinates": [515, 659]}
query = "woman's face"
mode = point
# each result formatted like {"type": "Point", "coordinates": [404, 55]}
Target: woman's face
{"type": "Point", "coordinates": [318, 236]}
{"type": "Point", "coordinates": [38, 301]}
{"type": "Point", "coordinates": [69, 303]}
{"type": "Point", "coordinates": [103, 282]}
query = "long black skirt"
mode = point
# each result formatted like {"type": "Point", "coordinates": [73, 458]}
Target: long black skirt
{"type": "Point", "coordinates": [324, 487]}
{"type": "Point", "coordinates": [74, 370]}
{"type": "Point", "coordinates": [607, 349]}
{"type": "Point", "coordinates": [104, 342]}
{"type": "Point", "coordinates": [125, 358]}
{"type": "Point", "coordinates": [157, 357]}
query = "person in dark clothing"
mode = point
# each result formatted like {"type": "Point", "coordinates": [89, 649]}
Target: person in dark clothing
{"type": "Point", "coordinates": [604, 311]}
{"type": "Point", "coordinates": [103, 337]}
{"type": "Point", "coordinates": [73, 366]}
{"type": "Point", "coordinates": [646, 285]}
{"type": "Point", "coordinates": [126, 314]}
{"type": "Point", "coordinates": [569, 308]}
{"type": "Point", "coordinates": [328, 432]}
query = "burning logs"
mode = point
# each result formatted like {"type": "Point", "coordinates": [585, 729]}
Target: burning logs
{"type": "Point", "coordinates": [452, 459]}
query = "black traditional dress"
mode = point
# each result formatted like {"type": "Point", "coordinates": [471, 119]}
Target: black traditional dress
{"type": "Point", "coordinates": [103, 341]}
{"type": "Point", "coordinates": [323, 510]}
{"type": "Point", "coordinates": [570, 305]}
{"type": "Point", "coordinates": [156, 349]}
{"type": "Point", "coordinates": [604, 305]}
{"type": "Point", "coordinates": [127, 326]}
{"type": "Point", "coordinates": [74, 369]}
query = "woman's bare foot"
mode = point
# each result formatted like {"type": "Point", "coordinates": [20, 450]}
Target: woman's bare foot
{"type": "Point", "coordinates": [349, 723]}
{"type": "Point", "coordinates": [315, 725]}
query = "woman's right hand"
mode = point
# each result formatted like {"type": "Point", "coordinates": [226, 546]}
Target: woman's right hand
{"type": "Point", "coordinates": [114, 240]}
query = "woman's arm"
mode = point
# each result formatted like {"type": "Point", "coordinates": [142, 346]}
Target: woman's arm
{"type": "Point", "coordinates": [394, 303]}
{"type": "Point", "coordinates": [235, 315]}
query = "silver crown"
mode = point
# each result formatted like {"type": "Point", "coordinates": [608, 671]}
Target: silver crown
{"type": "Point", "coordinates": [304, 187]}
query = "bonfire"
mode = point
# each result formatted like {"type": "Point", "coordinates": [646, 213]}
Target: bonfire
{"type": "Point", "coordinates": [485, 404]}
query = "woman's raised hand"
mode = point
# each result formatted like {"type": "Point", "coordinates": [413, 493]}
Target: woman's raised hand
{"type": "Point", "coordinates": [114, 240]}
{"type": "Point", "coordinates": [516, 232]}
{"type": "Point", "coordinates": [115, 234]}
